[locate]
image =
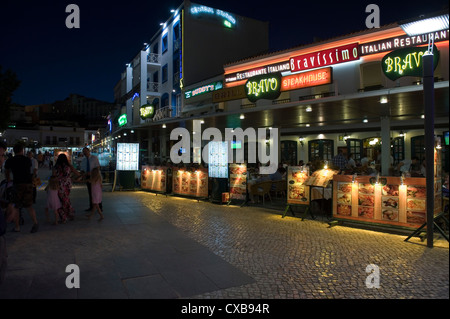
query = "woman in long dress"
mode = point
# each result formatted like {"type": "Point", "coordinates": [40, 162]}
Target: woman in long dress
{"type": "Point", "coordinates": [63, 171]}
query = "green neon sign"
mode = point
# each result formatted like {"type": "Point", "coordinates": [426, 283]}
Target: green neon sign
{"type": "Point", "coordinates": [122, 120]}
{"type": "Point", "coordinates": [204, 89]}
{"type": "Point", "coordinates": [147, 111]}
{"type": "Point", "coordinates": [406, 62]}
{"type": "Point", "coordinates": [263, 87]}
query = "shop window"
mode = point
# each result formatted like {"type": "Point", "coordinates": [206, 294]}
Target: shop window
{"type": "Point", "coordinates": [371, 77]}
{"type": "Point", "coordinates": [418, 147]}
{"type": "Point", "coordinates": [398, 149]}
{"type": "Point", "coordinates": [372, 147]}
{"type": "Point", "coordinates": [289, 152]}
{"type": "Point", "coordinates": [354, 146]}
{"type": "Point", "coordinates": [320, 150]}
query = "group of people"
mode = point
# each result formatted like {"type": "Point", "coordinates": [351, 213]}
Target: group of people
{"type": "Point", "coordinates": [18, 185]}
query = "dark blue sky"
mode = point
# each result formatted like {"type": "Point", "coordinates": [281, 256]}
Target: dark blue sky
{"type": "Point", "coordinates": [53, 61]}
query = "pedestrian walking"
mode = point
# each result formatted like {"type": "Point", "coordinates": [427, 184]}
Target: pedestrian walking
{"type": "Point", "coordinates": [53, 201]}
{"type": "Point", "coordinates": [88, 163]}
{"type": "Point", "coordinates": [96, 192]}
{"type": "Point", "coordinates": [17, 171]}
{"type": "Point", "coordinates": [63, 170]}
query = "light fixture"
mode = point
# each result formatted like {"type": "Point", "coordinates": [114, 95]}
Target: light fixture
{"type": "Point", "coordinates": [383, 100]}
{"type": "Point", "coordinates": [172, 10]}
{"type": "Point", "coordinates": [164, 126]}
{"type": "Point", "coordinates": [365, 120]}
{"type": "Point", "coordinates": [401, 134]}
{"type": "Point", "coordinates": [202, 122]}
{"type": "Point", "coordinates": [132, 131]}
{"type": "Point", "coordinates": [426, 25]}
{"type": "Point", "coordinates": [308, 125]}
{"type": "Point", "coordinates": [308, 108]}
{"type": "Point", "coordinates": [242, 117]}
{"type": "Point", "coordinates": [321, 136]}
{"type": "Point", "coordinates": [422, 116]}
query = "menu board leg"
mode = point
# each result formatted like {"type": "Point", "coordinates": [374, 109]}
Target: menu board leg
{"type": "Point", "coordinates": [418, 230]}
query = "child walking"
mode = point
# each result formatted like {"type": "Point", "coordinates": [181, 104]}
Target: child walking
{"type": "Point", "coordinates": [96, 192]}
{"type": "Point", "coordinates": [53, 201]}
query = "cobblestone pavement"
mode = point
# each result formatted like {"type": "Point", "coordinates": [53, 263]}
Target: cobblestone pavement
{"type": "Point", "coordinates": [294, 258]}
{"type": "Point", "coordinates": [261, 254]}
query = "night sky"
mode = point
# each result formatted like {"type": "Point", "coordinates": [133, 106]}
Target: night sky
{"type": "Point", "coordinates": [53, 61]}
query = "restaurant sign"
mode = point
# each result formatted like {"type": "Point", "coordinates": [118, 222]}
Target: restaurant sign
{"type": "Point", "coordinates": [204, 89]}
{"type": "Point", "coordinates": [147, 111]}
{"type": "Point", "coordinates": [345, 53]}
{"type": "Point", "coordinates": [406, 62]}
{"type": "Point", "coordinates": [263, 87]}
{"type": "Point", "coordinates": [122, 120]}
{"type": "Point", "coordinates": [306, 79]}
{"type": "Point", "coordinates": [401, 42]}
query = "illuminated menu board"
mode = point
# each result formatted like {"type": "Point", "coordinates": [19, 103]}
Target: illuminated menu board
{"type": "Point", "coordinates": [218, 159]}
{"type": "Point", "coordinates": [238, 181]}
{"type": "Point", "coordinates": [298, 192]}
{"type": "Point", "coordinates": [193, 183]}
{"type": "Point", "coordinates": [127, 156]}
{"type": "Point", "coordinates": [154, 178]}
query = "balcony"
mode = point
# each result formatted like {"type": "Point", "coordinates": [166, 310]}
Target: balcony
{"type": "Point", "coordinates": [163, 113]}
{"type": "Point", "coordinates": [153, 87]}
{"type": "Point", "coordinates": [153, 58]}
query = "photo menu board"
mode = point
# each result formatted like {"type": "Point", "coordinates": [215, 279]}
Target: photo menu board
{"type": "Point", "coordinates": [218, 159]}
{"type": "Point", "coordinates": [297, 192]}
{"type": "Point", "coordinates": [154, 178]}
{"type": "Point", "coordinates": [238, 181]}
{"type": "Point", "coordinates": [192, 183]}
{"type": "Point", "coordinates": [397, 201]}
{"type": "Point", "coordinates": [127, 157]}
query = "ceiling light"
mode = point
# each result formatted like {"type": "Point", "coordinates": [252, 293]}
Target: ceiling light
{"type": "Point", "coordinates": [365, 120]}
{"type": "Point", "coordinates": [307, 125]}
{"type": "Point", "coordinates": [383, 100]}
{"type": "Point", "coordinates": [164, 126]}
{"type": "Point", "coordinates": [242, 117]}
{"type": "Point", "coordinates": [309, 109]}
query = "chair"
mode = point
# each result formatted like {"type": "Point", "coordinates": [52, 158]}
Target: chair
{"type": "Point", "coordinates": [279, 187]}
{"type": "Point", "coordinates": [261, 189]}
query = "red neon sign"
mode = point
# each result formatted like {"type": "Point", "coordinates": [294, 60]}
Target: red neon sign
{"type": "Point", "coordinates": [322, 58]}
{"type": "Point", "coordinates": [306, 79]}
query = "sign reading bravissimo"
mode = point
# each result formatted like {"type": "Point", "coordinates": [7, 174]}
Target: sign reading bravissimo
{"type": "Point", "coordinates": [345, 53]}
{"type": "Point", "coordinates": [406, 62]}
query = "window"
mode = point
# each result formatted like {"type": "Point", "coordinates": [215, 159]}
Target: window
{"type": "Point", "coordinates": [398, 149]}
{"type": "Point", "coordinates": [354, 146]}
{"type": "Point", "coordinates": [289, 152]}
{"type": "Point", "coordinates": [176, 37]}
{"type": "Point", "coordinates": [320, 150]}
{"type": "Point", "coordinates": [165, 73]}
{"type": "Point", "coordinates": [418, 147]}
{"type": "Point", "coordinates": [165, 44]}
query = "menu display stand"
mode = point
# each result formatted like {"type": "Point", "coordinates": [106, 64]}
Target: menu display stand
{"type": "Point", "coordinates": [298, 194]}
{"type": "Point", "coordinates": [155, 179]}
{"type": "Point", "coordinates": [300, 185]}
{"type": "Point", "coordinates": [190, 183]}
{"type": "Point", "coordinates": [238, 183]}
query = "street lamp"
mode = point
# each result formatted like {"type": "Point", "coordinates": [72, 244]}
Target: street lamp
{"type": "Point", "coordinates": [422, 26]}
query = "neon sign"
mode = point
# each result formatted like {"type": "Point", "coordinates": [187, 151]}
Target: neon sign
{"type": "Point", "coordinates": [345, 53]}
{"type": "Point", "coordinates": [306, 79]}
{"type": "Point", "coordinates": [229, 20]}
{"type": "Point", "coordinates": [147, 111]}
{"type": "Point", "coordinates": [406, 62]}
{"type": "Point", "coordinates": [263, 87]}
{"type": "Point", "coordinates": [204, 89]}
{"type": "Point", "coordinates": [122, 120]}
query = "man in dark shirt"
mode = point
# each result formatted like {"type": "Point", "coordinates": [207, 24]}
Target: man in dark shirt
{"type": "Point", "coordinates": [20, 167]}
